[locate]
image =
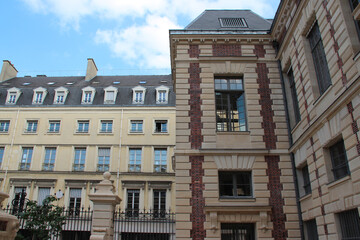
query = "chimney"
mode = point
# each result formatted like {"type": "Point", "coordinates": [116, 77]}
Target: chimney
{"type": "Point", "coordinates": [91, 70]}
{"type": "Point", "coordinates": [8, 71]}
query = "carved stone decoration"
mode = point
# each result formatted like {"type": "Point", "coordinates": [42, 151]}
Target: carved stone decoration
{"type": "Point", "coordinates": [213, 220]}
{"type": "Point", "coordinates": [9, 224]}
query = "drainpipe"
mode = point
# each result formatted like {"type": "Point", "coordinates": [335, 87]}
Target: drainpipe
{"type": "Point", "coordinates": [291, 154]}
{"type": "Point", "coordinates": [10, 152]}
{"type": "Point", "coordinates": [120, 143]}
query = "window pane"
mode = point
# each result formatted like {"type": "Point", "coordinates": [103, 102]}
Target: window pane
{"type": "Point", "coordinates": [49, 161]}
{"type": "Point", "coordinates": [42, 194]}
{"type": "Point", "coordinates": [350, 224]}
{"type": "Point", "coordinates": [235, 184]}
{"type": "Point", "coordinates": [339, 160]}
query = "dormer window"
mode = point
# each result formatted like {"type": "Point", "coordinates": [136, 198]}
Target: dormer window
{"type": "Point", "coordinates": [162, 94]}
{"type": "Point", "coordinates": [88, 95]}
{"type": "Point", "coordinates": [60, 95]}
{"type": "Point", "coordinates": [110, 95]}
{"type": "Point", "coordinates": [138, 95]}
{"type": "Point", "coordinates": [13, 95]}
{"type": "Point", "coordinates": [39, 95]}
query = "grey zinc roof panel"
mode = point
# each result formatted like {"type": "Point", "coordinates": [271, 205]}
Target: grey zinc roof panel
{"type": "Point", "coordinates": [209, 20]}
{"type": "Point", "coordinates": [124, 96]}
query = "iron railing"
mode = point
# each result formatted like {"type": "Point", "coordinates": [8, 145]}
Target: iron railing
{"type": "Point", "coordinates": [132, 224]}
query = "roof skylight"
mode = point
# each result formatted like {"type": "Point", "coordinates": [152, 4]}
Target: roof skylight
{"type": "Point", "coordinates": [233, 22]}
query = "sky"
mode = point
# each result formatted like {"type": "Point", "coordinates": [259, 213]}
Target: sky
{"type": "Point", "coordinates": [55, 37]}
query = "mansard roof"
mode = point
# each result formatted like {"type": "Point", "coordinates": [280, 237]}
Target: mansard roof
{"type": "Point", "coordinates": [211, 20]}
{"type": "Point", "coordinates": [75, 85]}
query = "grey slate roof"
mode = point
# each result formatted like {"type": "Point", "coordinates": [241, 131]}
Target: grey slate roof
{"type": "Point", "coordinates": [209, 20]}
{"type": "Point", "coordinates": [124, 96]}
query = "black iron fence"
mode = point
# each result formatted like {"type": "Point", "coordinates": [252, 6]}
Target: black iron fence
{"type": "Point", "coordinates": [134, 224]}
{"type": "Point", "coordinates": [77, 223]}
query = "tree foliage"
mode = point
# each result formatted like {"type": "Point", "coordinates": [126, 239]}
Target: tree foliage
{"type": "Point", "coordinates": [43, 221]}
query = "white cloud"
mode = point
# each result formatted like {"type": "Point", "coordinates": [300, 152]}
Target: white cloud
{"type": "Point", "coordinates": [143, 42]}
{"type": "Point", "coordinates": [146, 45]}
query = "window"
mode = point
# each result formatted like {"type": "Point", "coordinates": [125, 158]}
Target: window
{"type": "Point", "coordinates": [160, 162]}
{"type": "Point", "coordinates": [135, 160]}
{"type": "Point", "coordinates": [306, 179]}
{"type": "Point", "coordinates": [60, 95]}
{"type": "Point", "coordinates": [13, 95]}
{"type": "Point", "coordinates": [74, 201]}
{"type": "Point", "coordinates": [350, 224]}
{"type": "Point", "coordinates": [39, 95]}
{"type": "Point", "coordinates": [18, 191]}
{"type": "Point", "coordinates": [54, 126]}
{"type": "Point", "coordinates": [159, 203]}
{"type": "Point", "coordinates": [83, 126]}
{"type": "Point", "coordinates": [2, 150]}
{"type": "Point", "coordinates": [136, 126]}
{"type": "Point", "coordinates": [235, 184]}
{"type": "Point", "coordinates": [49, 161]}
{"type": "Point", "coordinates": [103, 159]}
{"type": "Point", "coordinates": [230, 105]}
{"type": "Point", "coordinates": [292, 103]}
{"type": "Point", "coordinates": [138, 95]}
{"type": "Point", "coordinates": [110, 95]}
{"type": "Point", "coordinates": [320, 62]}
{"type": "Point", "coordinates": [4, 126]}
{"type": "Point", "coordinates": [79, 159]}
{"type": "Point", "coordinates": [88, 94]}
{"type": "Point", "coordinates": [133, 197]}
{"type": "Point", "coordinates": [353, 5]}
{"type": "Point", "coordinates": [237, 231]}
{"type": "Point", "coordinates": [160, 126]}
{"type": "Point", "coordinates": [31, 126]}
{"type": "Point", "coordinates": [43, 193]}
{"type": "Point", "coordinates": [106, 126]}
{"type": "Point", "coordinates": [339, 160]}
{"type": "Point", "coordinates": [311, 232]}
{"type": "Point", "coordinates": [162, 93]}
{"type": "Point", "coordinates": [26, 158]}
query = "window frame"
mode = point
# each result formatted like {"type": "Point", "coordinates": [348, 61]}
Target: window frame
{"type": "Point", "coordinates": [234, 184]}
{"type": "Point", "coordinates": [107, 97]}
{"type": "Point", "coordinates": [310, 228]}
{"type": "Point", "coordinates": [135, 162]}
{"type": "Point", "coordinates": [133, 206]}
{"type": "Point", "coordinates": [4, 126]}
{"type": "Point", "coordinates": [306, 180]}
{"type": "Point", "coordinates": [60, 95]}
{"type": "Point", "coordinates": [79, 159]}
{"type": "Point", "coordinates": [345, 219]}
{"type": "Point", "coordinates": [136, 123]}
{"type": "Point", "coordinates": [25, 162]}
{"type": "Point", "coordinates": [226, 93]}
{"type": "Point", "coordinates": [83, 126]}
{"type": "Point", "coordinates": [43, 197]}
{"type": "Point", "coordinates": [159, 203]}
{"type": "Point", "coordinates": [88, 94]}
{"type": "Point", "coordinates": [39, 95]}
{"type": "Point", "coordinates": [13, 95]}
{"type": "Point", "coordinates": [342, 157]}
{"type": "Point", "coordinates": [103, 164]}
{"type": "Point", "coordinates": [54, 126]}
{"type": "Point", "coordinates": [159, 126]}
{"type": "Point", "coordinates": [138, 91]}
{"type": "Point", "coordinates": [104, 126]}
{"type": "Point", "coordinates": [162, 95]}
{"type": "Point", "coordinates": [31, 126]}
{"type": "Point", "coordinates": [49, 159]}
{"type": "Point", "coordinates": [2, 154]}
{"type": "Point", "coordinates": [162, 161]}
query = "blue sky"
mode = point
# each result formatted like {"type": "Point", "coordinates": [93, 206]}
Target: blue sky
{"type": "Point", "coordinates": [55, 37]}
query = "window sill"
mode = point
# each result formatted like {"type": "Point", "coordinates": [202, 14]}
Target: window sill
{"type": "Point", "coordinates": [234, 133]}
{"type": "Point", "coordinates": [304, 197]}
{"type": "Point", "coordinates": [4, 133]}
{"type": "Point", "coordinates": [30, 133]}
{"type": "Point", "coordinates": [319, 98]}
{"type": "Point", "coordinates": [338, 181]}
{"type": "Point", "coordinates": [237, 199]}
{"type": "Point", "coordinates": [136, 133]}
{"type": "Point", "coordinates": [53, 133]}
{"type": "Point", "coordinates": [105, 133]}
{"type": "Point", "coordinates": [161, 133]}
{"type": "Point", "coordinates": [82, 133]}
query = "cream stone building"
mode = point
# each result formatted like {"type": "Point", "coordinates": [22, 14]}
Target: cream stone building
{"type": "Point", "coordinates": [59, 134]}
{"type": "Point", "coordinates": [267, 114]}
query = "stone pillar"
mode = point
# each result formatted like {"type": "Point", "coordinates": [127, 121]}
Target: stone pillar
{"type": "Point", "coordinates": [104, 200]}
{"type": "Point", "coordinates": [9, 224]}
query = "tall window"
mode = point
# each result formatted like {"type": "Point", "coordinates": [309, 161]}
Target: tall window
{"type": "Point", "coordinates": [133, 199]}
{"type": "Point", "coordinates": [161, 126]}
{"type": "Point", "coordinates": [31, 126]}
{"type": "Point", "coordinates": [103, 159]}
{"type": "Point", "coordinates": [79, 159]}
{"type": "Point", "coordinates": [139, 97]}
{"type": "Point", "coordinates": [237, 231]}
{"type": "Point", "coordinates": [311, 232]}
{"type": "Point", "coordinates": [54, 126]}
{"type": "Point", "coordinates": [350, 224]}
{"type": "Point", "coordinates": [230, 105]}
{"type": "Point", "coordinates": [4, 126]}
{"type": "Point", "coordinates": [83, 126]}
{"type": "Point", "coordinates": [2, 149]}
{"type": "Point", "coordinates": [49, 161]}
{"type": "Point", "coordinates": [43, 192]}
{"type": "Point", "coordinates": [235, 184]}
{"type": "Point", "coordinates": [160, 162]}
{"type": "Point", "coordinates": [75, 201]}
{"type": "Point", "coordinates": [339, 160]}
{"type": "Point", "coordinates": [306, 179]}
{"type": "Point", "coordinates": [136, 126]}
{"type": "Point", "coordinates": [159, 203]}
{"type": "Point", "coordinates": [319, 57]}
{"type": "Point", "coordinates": [26, 158]}
{"type": "Point", "coordinates": [292, 103]}
{"type": "Point", "coordinates": [106, 126]}
{"type": "Point", "coordinates": [135, 160]}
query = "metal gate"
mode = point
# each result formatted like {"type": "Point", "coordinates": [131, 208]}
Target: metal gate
{"type": "Point", "coordinates": [237, 231]}
{"type": "Point", "coordinates": [145, 225]}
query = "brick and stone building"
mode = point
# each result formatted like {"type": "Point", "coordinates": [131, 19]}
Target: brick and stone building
{"type": "Point", "coordinates": [267, 112]}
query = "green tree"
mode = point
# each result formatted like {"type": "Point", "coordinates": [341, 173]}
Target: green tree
{"type": "Point", "coordinates": [43, 221]}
